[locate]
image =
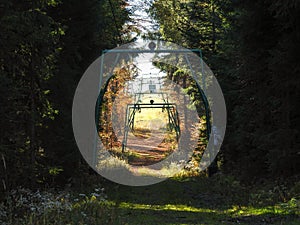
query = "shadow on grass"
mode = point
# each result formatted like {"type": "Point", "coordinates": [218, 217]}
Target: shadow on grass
{"type": "Point", "coordinates": [197, 200]}
{"type": "Point", "coordinates": [181, 214]}
{"type": "Point", "coordinates": [195, 192]}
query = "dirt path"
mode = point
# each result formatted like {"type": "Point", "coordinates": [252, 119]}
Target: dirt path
{"type": "Point", "coordinates": [147, 149]}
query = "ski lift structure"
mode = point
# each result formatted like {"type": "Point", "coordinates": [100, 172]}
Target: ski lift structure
{"type": "Point", "coordinates": [138, 105]}
{"type": "Point", "coordinates": [153, 84]}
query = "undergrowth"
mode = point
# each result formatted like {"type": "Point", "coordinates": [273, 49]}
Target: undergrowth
{"type": "Point", "coordinates": [185, 200]}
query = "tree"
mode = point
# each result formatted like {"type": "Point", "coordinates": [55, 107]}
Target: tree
{"type": "Point", "coordinates": [197, 24]}
{"type": "Point", "coordinates": [45, 48]}
{"type": "Point", "coordinates": [262, 137]}
{"type": "Point", "coordinates": [29, 48]}
{"type": "Point", "coordinates": [90, 27]}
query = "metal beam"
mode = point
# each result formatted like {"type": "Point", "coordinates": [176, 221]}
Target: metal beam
{"type": "Point", "coordinates": [154, 107]}
{"type": "Point", "coordinates": [151, 51]}
{"type": "Point", "coordinates": [139, 104]}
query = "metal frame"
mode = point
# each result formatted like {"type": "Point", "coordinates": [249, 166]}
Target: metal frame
{"type": "Point", "coordinates": [133, 108]}
{"type": "Point", "coordinates": [151, 51]}
{"type": "Point", "coordinates": [128, 51]}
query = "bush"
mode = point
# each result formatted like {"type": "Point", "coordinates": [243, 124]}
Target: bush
{"type": "Point", "coordinates": [23, 206]}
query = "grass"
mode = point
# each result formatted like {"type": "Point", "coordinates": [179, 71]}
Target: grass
{"type": "Point", "coordinates": [180, 201]}
{"type": "Point", "coordinates": [196, 201]}
{"type": "Point", "coordinates": [146, 214]}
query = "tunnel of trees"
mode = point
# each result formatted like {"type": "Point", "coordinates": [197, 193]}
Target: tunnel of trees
{"type": "Point", "coordinates": [252, 46]}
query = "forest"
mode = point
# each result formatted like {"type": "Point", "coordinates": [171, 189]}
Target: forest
{"type": "Point", "coordinates": [250, 46]}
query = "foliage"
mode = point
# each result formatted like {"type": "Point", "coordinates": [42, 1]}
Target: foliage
{"type": "Point", "coordinates": [26, 207]}
{"type": "Point", "coordinates": [262, 137]}
{"type": "Point", "coordinates": [252, 49]}
{"type": "Point", "coordinates": [112, 89]}
{"type": "Point", "coordinates": [45, 48]}
{"type": "Point", "coordinates": [30, 46]}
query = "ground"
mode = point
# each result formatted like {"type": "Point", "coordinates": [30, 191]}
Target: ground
{"type": "Point", "coordinates": [177, 201]}
{"type": "Point", "coordinates": [193, 201]}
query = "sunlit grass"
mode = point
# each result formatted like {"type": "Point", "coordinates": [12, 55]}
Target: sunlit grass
{"type": "Point", "coordinates": [134, 213]}
{"type": "Point", "coordinates": [234, 211]}
{"type": "Point", "coordinates": [194, 215]}
{"type": "Point", "coordinates": [167, 207]}
{"type": "Point", "coordinates": [164, 172]}
{"type": "Point", "coordinates": [163, 204]}
{"type": "Point", "coordinates": [149, 118]}
{"type": "Point", "coordinates": [249, 210]}
{"type": "Point", "coordinates": [192, 201]}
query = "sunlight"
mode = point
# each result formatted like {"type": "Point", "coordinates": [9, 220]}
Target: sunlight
{"type": "Point", "coordinates": [169, 207]}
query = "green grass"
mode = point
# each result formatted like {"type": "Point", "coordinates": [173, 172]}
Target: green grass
{"type": "Point", "coordinates": [185, 200]}
{"type": "Point", "coordinates": [196, 201]}
{"type": "Point", "coordinates": [133, 213]}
